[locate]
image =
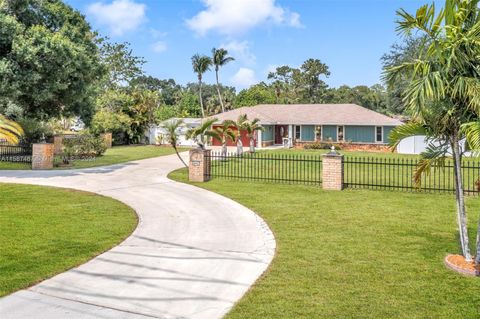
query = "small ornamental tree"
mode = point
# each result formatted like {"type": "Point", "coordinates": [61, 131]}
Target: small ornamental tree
{"type": "Point", "coordinates": [443, 94]}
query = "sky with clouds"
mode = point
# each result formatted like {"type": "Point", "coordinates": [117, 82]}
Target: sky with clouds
{"type": "Point", "coordinates": [348, 35]}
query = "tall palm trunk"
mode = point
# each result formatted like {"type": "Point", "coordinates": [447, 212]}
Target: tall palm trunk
{"type": "Point", "coordinates": [460, 198]}
{"type": "Point", "coordinates": [218, 91]}
{"type": "Point", "coordinates": [239, 145]}
{"type": "Point", "coordinates": [200, 96]}
{"type": "Point", "coordinates": [178, 154]}
{"type": "Point", "coordinates": [224, 148]}
{"type": "Point", "coordinates": [252, 145]}
{"type": "Point", "coordinates": [477, 253]}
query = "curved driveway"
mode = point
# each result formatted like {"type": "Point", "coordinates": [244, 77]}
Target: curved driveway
{"type": "Point", "coordinates": [193, 254]}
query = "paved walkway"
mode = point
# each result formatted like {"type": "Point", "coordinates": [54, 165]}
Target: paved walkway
{"type": "Point", "coordinates": [193, 255]}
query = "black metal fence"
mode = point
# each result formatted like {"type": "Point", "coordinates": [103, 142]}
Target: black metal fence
{"type": "Point", "coordinates": [284, 168]}
{"type": "Point", "coordinates": [21, 153]}
{"type": "Point", "coordinates": [398, 174]}
{"type": "Point", "coordinates": [359, 172]}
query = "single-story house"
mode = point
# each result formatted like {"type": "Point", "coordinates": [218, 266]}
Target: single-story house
{"type": "Point", "coordinates": [156, 134]}
{"type": "Point", "coordinates": [306, 123]}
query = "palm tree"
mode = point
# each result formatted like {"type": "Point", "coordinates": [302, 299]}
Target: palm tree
{"type": "Point", "coordinates": [224, 133]}
{"type": "Point", "coordinates": [201, 64]}
{"type": "Point", "coordinates": [201, 133]}
{"type": "Point", "coordinates": [444, 90]}
{"type": "Point", "coordinates": [10, 130]}
{"type": "Point", "coordinates": [240, 126]}
{"type": "Point", "coordinates": [220, 58]}
{"type": "Point", "coordinates": [172, 127]}
{"type": "Point", "coordinates": [251, 127]}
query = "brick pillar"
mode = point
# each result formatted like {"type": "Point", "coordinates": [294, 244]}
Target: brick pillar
{"type": "Point", "coordinates": [107, 137]}
{"type": "Point", "coordinates": [332, 171]}
{"type": "Point", "coordinates": [57, 144]}
{"type": "Point", "coordinates": [199, 166]}
{"type": "Point", "coordinates": [42, 156]}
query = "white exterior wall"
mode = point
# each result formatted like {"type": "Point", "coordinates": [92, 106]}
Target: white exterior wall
{"type": "Point", "coordinates": [418, 144]}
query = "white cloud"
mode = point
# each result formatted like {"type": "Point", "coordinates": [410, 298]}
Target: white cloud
{"type": "Point", "coordinates": [243, 78]}
{"type": "Point", "coordinates": [159, 47]}
{"type": "Point", "coordinates": [240, 50]}
{"type": "Point", "coordinates": [119, 16]}
{"type": "Point", "coordinates": [231, 17]}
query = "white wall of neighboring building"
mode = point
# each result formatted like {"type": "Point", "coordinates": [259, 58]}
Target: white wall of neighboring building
{"type": "Point", "coordinates": [156, 131]}
{"type": "Point", "coordinates": [418, 144]}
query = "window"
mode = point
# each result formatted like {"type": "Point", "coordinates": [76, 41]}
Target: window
{"type": "Point", "coordinates": [379, 134]}
{"type": "Point", "coordinates": [298, 133]}
{"type": "Point", "coordinates": [339, 133]}
{"type": "Point", "coordinates": [318, 133]}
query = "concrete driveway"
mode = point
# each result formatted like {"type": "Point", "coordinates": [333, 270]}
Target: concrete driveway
{"type": "Point", "coordinates": [193, 255]}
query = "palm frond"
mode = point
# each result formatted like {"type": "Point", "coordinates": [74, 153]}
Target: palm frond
{"type": "Point", "coordinates": [433, 156]}
{"type": "Point", "coordinates": [10, 130]}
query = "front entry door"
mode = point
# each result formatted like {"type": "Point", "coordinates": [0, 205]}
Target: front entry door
{"type": "Point", "coordinates": [281, 131]}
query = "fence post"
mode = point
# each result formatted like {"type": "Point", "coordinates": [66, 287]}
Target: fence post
{"type": "Point", "coordinates": [332, 171]}
{"type": "Point", "coordinates": [42, 155]}
{"type": "Point", "coordinates": [200, 165]}
{"type": "Point", "coordinates": [58, 144]}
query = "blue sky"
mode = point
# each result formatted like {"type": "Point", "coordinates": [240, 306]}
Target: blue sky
{"type": "Point", "coordinates": [348, 35]}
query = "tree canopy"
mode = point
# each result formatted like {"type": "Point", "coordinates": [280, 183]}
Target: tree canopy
{"type": "Point", "coordinates": [49, 61]}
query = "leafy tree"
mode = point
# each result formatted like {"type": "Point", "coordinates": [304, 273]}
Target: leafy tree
{"type": "Point", "coordinates": [223, 133]}
{"type": "Point", "coordinates": [201, 64]}
{"type": "Point", "coordinates": [172, 127]}
{"type": "Point", "coordinates": [188, 105]}
{"type": "Point", "coordinates": [443, 94]}
{"type": "Point", "coordinates": [220, 58]}
{"type": "Point", "coordinates": [404, 52]}
{"type": "Point", "coordinates": [309, 78]}
{"type": "Point", "coordinates": [9, 130]}
{"type": "Point", "coordinates": [168, 89]}
{"type": "Point", "coordinates": [49, 62]}
{"type": "Point", "coordinates": [256, 94]}
{"type": "Point", "coordinates": [122, 66]}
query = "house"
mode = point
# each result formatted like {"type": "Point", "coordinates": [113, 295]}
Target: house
{"type": "Point", "coordinates": [306, 123]}
{"type": "Point", "coordinates": [156, 134]}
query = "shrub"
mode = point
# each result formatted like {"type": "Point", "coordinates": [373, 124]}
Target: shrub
{"type": "Point", "coordinates": [35, 131]}
{"type": "Point", "coordinates": [321, 146]}
{"type": "Point", "coordinates": [86, 145]}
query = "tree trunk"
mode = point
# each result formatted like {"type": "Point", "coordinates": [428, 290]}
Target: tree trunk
{"type": "Point", "coordinates": [460, 199]}
{"type": "Point", "coordinates": [218, 91]}
{"type": "Point", "coordinates": [477, 253]}
{"type": "Point", "coordinates": [200, 97]}
{"type": "Point", "coordinates": [239, 146]}
{"type": "Point", "coordinates": [178, 154]}
{"type": "Point", "coordinates": [224, 149]}
{"type": "Point", "coordinates": [252, 145]}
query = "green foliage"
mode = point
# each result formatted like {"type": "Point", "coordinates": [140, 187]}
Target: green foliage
{"type": "Point", "coordinates": [256, 94]}
{"type": "Point", "coordinates": [85, 145]}
{"type": "Point", "coordinates": [35, 131]}
{"type": "Point", "coordinates": [121, 65]}
{"type": "Point", "coordinates": [49, 63]}
{"type": "Point", "coordinates": [321, 146]}
{"type": "Point", "coordinates": [201, 133]}
{"type": "Point", "coordinates": [374, 98]}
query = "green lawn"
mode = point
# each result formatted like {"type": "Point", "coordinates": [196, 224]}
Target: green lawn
{"type": "Point", "coordinates": [355, 254]}
{"type": "Point", "coordinates": [45, 231]}
{"type": "Point", "coordinates": [115, 155]}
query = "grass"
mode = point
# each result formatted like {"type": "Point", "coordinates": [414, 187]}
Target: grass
{"type": "Point", "coordinates": [115, 155]}
{"type": "Point", "coordinates": [46, 230]}
{"type": "Point", "coordinates": [355, 254]}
